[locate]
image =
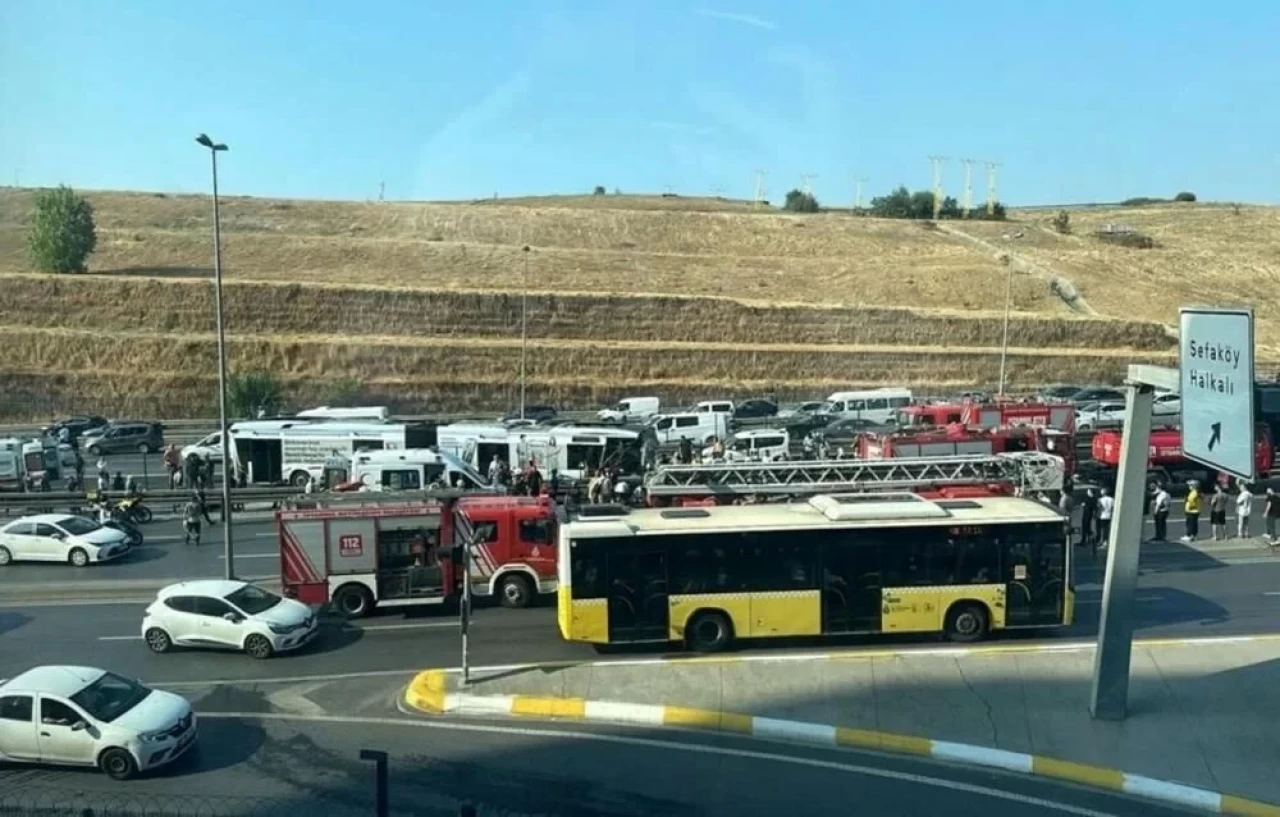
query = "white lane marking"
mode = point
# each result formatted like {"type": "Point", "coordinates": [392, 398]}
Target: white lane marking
{"type": "Point", "coordinates": [1272, 593]}
{"type": "Point", "coordinates": [343, 676]}
{"type": "Point", "coordinates": [694, 748]}
{"type": "Point", "coordinates": [250, 556]}
{"type": "Point", "coordinates": [119, 638]}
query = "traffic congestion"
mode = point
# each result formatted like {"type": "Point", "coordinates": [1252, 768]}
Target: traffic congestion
{"type": "Point", "coordinates": [697, 527]}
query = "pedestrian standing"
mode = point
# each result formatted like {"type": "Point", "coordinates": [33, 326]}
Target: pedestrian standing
{"type": "Point", "coordinates": [1160, 513]}
{"type": "Point", "coordinates": [172, 462]}
{"type": "Point", "coordinates": [1067, 507]}
{"type": "Point", "coordinates": [1106, 507]}
{"type": "Point", "coordinates": [1244, 508]}
{"type": "Point", "coordinates": [1271, 512]}
{"type": "Point", "coordinates": [1088, 513]}
{"type": "Point", "coordinates": [1218, 513]}
{"type": "Point", "coordinates": [1191, 507]}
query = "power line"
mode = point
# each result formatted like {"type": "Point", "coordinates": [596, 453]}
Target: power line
{"type": "Point", "coordinates": [760, 176]}
{"type": "Point", "coordinates": [968, 186]}
{"type": "Point", "coordinates": [857, 192]}
{"type": "Point", "coordinates": [991, 187]}
{"type": "Point", "coordinates": [937, 161]}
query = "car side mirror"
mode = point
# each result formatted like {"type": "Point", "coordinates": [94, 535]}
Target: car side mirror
{"type": "Point", "coordinates": [79, 726]}
{"type": "Point", "coordinates": [232, 617]}
{"type": "Point", "coordinates": [61, 537]}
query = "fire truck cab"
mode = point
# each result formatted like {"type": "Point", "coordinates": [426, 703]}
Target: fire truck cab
{"type": "Point", "coordinates": [1059, 416]}
{"type": "Point", "coordinates": [959, 440]}
{"type": "Point", "coordinates": [364, 553]}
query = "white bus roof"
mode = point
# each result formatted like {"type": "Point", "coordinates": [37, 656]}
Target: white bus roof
{"type": "Point", "coordinates": [883, 391]}
{"type": "Point", "coordinates": [335, 413]}
{"type": "Point", "coordinates": [303, 428]}
{"type": "Point", "coordinates": [825, 511]}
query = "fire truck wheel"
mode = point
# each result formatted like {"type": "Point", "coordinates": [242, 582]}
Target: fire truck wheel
{"type": "Point", "coordinates": [515, 591]}
{"type": "Point", "coordinates": [708, 632]}
{"type": "Point", "coordinates": [966, 621]}
{"type": "Point", "coordinates": [352, 601]}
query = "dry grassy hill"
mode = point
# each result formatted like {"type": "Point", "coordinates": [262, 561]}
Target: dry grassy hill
{"type": "Point", "coordinates": [681, 297]}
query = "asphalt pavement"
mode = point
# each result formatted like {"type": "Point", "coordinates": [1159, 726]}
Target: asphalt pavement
{"type": "Point", "coordinates": [268, 764]}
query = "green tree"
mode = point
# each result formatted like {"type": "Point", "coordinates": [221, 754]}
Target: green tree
{"type": "Point", "coordinates": [599, 191]}
{"type": "Point", "coordinates": [902, 203]}
{"type": "Point", "coordinates": [62, 234]}
{"type": "Point", "coordinates": [252, 393]}
{"type": "Point", "coordinates": [800, 202]}
{"type": "Point", "coordinates": [1185, 195]}
{"type": "Point", "coordinates": [1062, 222]}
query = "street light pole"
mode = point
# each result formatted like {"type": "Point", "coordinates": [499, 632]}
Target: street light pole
{"type": "Point", "coordinates": [1004, 343]}
{"type": "Point", "coordinates": [227, 549]}
{"type": "Point", "coordinates": [524, 328]}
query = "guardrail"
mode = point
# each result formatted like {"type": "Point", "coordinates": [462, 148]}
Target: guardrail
{"type": "Point", "coordinates": [25, 503]}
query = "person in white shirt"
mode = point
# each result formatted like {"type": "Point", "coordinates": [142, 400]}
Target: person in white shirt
{"type": "Point", "coordinates": [1106, 507]}
{"type": "Point", "coordinates": [1160, 513]}
{"type": "Point", "coordinates": [1244, 507]}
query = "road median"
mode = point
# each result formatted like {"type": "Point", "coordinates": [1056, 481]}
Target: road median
{"type": "Point", "coordinates": [1203, 722]}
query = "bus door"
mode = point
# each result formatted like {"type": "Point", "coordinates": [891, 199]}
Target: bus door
{"type": "Point", "coordinates": [638, 606]}
{"type": "Point", "coordinates": [851, 586]}
{"type": "Point", "coordinates": [1034, 567]}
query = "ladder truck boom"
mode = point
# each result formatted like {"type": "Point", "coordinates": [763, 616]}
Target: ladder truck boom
{"type": "Point", "coordinates": [1028, 470]}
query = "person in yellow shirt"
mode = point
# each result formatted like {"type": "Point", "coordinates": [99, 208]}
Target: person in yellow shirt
{"type": "Point", "coordinates": [1191, 507]}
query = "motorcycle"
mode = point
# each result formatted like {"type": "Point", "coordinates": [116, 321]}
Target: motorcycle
{"type": "Point", "coordinates": [132, 509]}
{"type": "Point", "coordinates": [133, 536]}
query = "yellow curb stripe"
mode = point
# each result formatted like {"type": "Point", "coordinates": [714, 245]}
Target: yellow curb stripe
{"type": "Point", "coordinates": [1077, 772]}
{"type": "Point", "coordinates": [1247, 808]}
{"type": "Point", "coordinates": [427, 691]}
{"type": "Point", "coordinates": [529, 706]}
{"type": "Point", "coordinates": [884, 741]}
{"type": "Point", "coordinates": [707, 719]}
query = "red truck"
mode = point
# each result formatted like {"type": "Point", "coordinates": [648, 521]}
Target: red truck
{"type": "Point", "coordinates": [1165, 462]}
{"type": "Point", "coordinates": [395, 553]}
{"type": "Point", "coordinates": [1003, 414]}
{"type": "Point", "coordinates": [959, 440]}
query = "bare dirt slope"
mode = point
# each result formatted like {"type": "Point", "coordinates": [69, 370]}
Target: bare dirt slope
{"type": "Point", "coordinates": [683, 297]}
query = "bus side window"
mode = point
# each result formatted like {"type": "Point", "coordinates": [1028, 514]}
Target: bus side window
{"type": "Point", "coordinates": [965, 559]}
{"type": "Point", "coordinates": [904, 557]}
{"type": "Point", "coordinates": [587, 568]}
{"type": "Point", "coordinates": [708, 564]}
{"type": "Point", "coordinates": [782, 567]}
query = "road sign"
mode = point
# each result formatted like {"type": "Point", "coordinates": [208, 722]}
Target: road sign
{"type": "Point", "coordinates": [1216, 364]}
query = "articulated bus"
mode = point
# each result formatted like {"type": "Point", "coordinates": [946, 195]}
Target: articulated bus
{"type": "Point", "coordinates": [831, 565]}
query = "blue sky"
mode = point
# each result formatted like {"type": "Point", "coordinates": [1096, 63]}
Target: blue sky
{"type": "Point", "coordinates": [1079, 101]}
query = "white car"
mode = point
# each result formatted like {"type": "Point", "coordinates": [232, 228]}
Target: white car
{"type": "Point", "coordinates": [79, 716]}
{"type": "Point", "coordinates": [58, 537]}
{"type": "Point", "coordinates": [1104, 414]}
{"type": "Point", "coordinates": [229, 615]}
{"type": "Point", "coordinates": [1166, 404]}
{"type": "Point", "coordinates": [209, 448]}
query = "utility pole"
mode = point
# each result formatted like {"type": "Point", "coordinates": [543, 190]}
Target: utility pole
{"type": "Point", "coordinates": [937, 184]}
{"type": "Point", "coordinates": [806, 183]}
{"type": "Point", "coordinates": [991, 187]}
{"type": "Point", "coordinates": [968, 186]}
{"type": "Point", "coordinates": [382, 191]}
{"type": "Point", "coordinates": [857, 192]}
{"type": "Point", "coordinates": [524, 327]}
{"type": "Point", "coordinates": [760, 176]}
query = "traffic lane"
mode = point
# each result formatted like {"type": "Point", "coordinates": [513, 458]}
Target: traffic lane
{"type": "Point", "coordinates": [164, 554]}
{"type": "Point", "coordinates": [288, 765]}
{"type": "Point", "coordinates": [110, 636]}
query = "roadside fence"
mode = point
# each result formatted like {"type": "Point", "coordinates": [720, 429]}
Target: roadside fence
{"type": "Point", "coordinates": [159, 501]}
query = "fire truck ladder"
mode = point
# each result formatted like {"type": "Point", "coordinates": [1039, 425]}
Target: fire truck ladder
{"type": "Point", "coordinates": [1031, 471]}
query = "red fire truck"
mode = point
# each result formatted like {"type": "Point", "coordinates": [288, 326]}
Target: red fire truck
{"type": "Point", "coordinates": [1060, 416]}
{"type": "Point", "coordinates": [959, 440]}
{"type": "Point", "coordinates": [1165, 462]}
{"type": "Point", "coordinates": [360, 553]}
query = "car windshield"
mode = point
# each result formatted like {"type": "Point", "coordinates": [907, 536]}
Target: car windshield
{"type": "Point", "coordinates": [78, 525]}
{"type": "Point", "coordinates": [253, 600]}
{"type": "Point", "coordinates": [109, 697]}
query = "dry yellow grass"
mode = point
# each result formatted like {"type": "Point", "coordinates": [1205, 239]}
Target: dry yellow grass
{"type": "Point", "coordinates": [444, 374]}
{"type": "Point", "coordinates": [685, 296]}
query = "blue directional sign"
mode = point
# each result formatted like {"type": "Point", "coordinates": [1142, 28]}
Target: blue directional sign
{"type": "Point", "coordinates": [1216, 364]}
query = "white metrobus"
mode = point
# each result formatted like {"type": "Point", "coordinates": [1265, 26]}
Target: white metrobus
{"type": "Point", "coordinates": [572, 451]}
{"type": "Point", "coordinates": [274, 451]}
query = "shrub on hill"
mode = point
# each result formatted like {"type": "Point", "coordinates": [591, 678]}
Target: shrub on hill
{"type": "Point", "coordinates": [62, 234]}
{"type": "Point", "coordinates": [902, 203]}
{"type": "Point", "coordinates": [253, 394]}
{"type": "Point", "coordinates": [800, 202]}
{"type": "Point", "coordinates": [1185, 195]}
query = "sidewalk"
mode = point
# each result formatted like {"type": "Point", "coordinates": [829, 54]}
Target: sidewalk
{"type": "Point", "coordinates": [1205, 713]}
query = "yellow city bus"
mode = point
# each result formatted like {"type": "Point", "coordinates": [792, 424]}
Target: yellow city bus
{"type": "Point", "coordinates": [830, 565]}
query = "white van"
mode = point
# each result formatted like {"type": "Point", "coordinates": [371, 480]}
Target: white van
{"type": "Point", "coordinates": [714, 406]}
{"type": "Point", "coordinates": [630, 410]}
{"type": "Point", "coordinates": [757, 445]}
{"type": "Point", "coordinates": [876, 405]}
{"type": "Point", "coordinates": [699, 427]}
{"type": "Point", "coordinates": [413, 469]}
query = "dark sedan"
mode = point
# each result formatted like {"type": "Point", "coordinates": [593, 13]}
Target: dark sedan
{"type": "Point", "coordinates": [75, 425]}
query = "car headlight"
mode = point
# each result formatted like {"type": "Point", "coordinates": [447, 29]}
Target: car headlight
{"type": "Point", "coordinates": [154, 737]}
{"type": "Point", "coordinates": [282, 629]}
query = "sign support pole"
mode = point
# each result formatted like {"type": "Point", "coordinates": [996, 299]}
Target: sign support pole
{"type": "Point", "coordinates": [464, 610]}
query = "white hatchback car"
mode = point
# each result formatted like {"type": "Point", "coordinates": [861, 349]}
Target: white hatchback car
{"type": "Point", "coordinates": [227, 614]}
{"type": "Point", "coordinates": [59, 537]}
{"type": "Point", "coordinates": [81, 716]}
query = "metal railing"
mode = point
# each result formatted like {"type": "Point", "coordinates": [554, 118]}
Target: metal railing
{"type": "Point", "coordinates": [78, 501]}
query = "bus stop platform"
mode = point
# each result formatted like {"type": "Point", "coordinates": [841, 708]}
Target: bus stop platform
{"type": "Point", "coordinates": [1203, 728]}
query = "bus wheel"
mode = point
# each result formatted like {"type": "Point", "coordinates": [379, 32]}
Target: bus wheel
{"type": "Point", "coordinates": [966, 622]}
{"type": "Point", "coordinates": [352, 601]}
{"type": "Point", "coordinates": [515, 591]}
{"type": "Point", "coordinates": [708, 632]}
{"type": "Point", "coordinates": [299, 479]}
